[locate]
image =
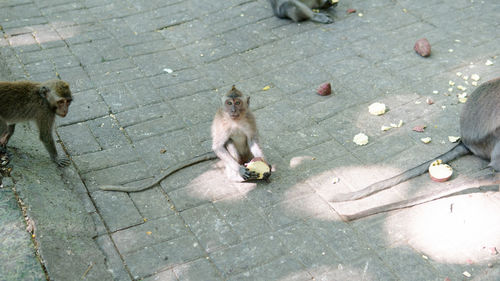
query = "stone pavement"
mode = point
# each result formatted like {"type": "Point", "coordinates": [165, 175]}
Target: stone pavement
{"type": "Point", "coordinates": [147, 77]}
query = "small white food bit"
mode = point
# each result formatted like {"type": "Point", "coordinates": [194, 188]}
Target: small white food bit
{"type": "Point", "coordinates": [376, 108]}
{"type": "Point", "coordinates": [475, 77]}
{"type": "Point", "coordinates": [360, 139]}
{"type": "Point", "coordinates": [474, 83]}
{"type": "Point", "coordinates": [450, 89]}
{"type": "Point", "coordinates": [488, 62]}
{"type": "Point", "coordinates": [462, 100]}
{"type": "Point", "coordinates": [453, 138]}
{"type": "Point", "coordinates": [425, 257]}
{"type": "Point", "coordinates": [360, 14]}
{"type": "Point", "coordinates": [450, 50]}
{"type": "Point", "coordinates": [443, 107]}
{"type": "Point", "coordinates": [400, 123]}
{"type": "Point", "coordinates": [459, 74]}
{"type": "Point", "coordinates": [461, 88]}
{"type": "Point", "coordinates": [418, 102]}
{"type": "Point", "coordinates": [465, 77]}
{"type": "Point", "coordinates": [435, 92]}
{"type": "Point", "coordinates": [426, 140]}
{"type": "Point", "coordinates": [168, 70]}
{"type": "Point", "coordinates": [385, 128]}
{"type": "Point", "coordinates": [467, 274]}
{"type": "Point", "coordinates": [451, 83]}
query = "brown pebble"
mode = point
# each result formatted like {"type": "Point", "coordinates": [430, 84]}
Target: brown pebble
{"type": "Point", "coordinates": [422, 47]}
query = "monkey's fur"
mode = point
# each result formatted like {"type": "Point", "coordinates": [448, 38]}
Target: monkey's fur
{"type": "Point", "coordinates": [300, 10]}
{"type": "Point", "coordinates": [234, 141]}
{"type": "Point", "coordinates": [33, 101]}
{"type": "Point", "coordinates": [480, 135]}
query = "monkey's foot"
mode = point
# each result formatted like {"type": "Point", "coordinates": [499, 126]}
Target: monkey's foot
{"type": "Point", "coordinates": [62, 161]}
{"type": "Point", "coordinates": [321, 18]}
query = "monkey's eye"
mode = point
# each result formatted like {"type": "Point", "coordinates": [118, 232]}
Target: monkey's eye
{"type": "Point", "coordinates": [229, 103]}
{"type": "Point", "coordinates": [237, 103]}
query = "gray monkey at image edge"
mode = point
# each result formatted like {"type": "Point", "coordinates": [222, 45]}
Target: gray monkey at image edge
{"type": "Point", "coordinates": [234, 141]}
{"type": "Point", "coordinates": [301, 10]}
{"type": "Point", "coordinates": [480, 135]}
{"type": "Point", "coordinates": [33, 101]}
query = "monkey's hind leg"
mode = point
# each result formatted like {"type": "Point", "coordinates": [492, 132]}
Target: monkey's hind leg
{"type": "Point", "coordinates": [490, 179]}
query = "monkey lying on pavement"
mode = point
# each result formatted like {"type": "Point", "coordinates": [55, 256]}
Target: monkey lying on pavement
{"type": "Point", "coordinates": [300, 10]}
{"type": "Point", "coordinates": [480, 135]}
{"type": "Point", "coordinates": [234, 141]}
{"type": "Point", "coordinates": [32, 101]}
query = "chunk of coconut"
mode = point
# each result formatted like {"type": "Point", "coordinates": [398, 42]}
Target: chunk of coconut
{"type": "Point", "coordinates": [440, 172]}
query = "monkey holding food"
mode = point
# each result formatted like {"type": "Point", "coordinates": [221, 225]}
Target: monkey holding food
{"type": "Point", "coordinates": [480, 135]}
{"type": "Point", "coordinates": [33, 101]}
{"type": "Point", "coordinates": [301, 10]}
{"type": "Point", "coordinates": [234, 141]}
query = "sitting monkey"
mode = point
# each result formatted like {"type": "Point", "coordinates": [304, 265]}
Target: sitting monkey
{"type": "Point", "coordinates": [234, 141]}
{"type": "Point", "coordinates": [300, 10]}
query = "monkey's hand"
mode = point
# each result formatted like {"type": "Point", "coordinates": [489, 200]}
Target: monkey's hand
{"type": "Point", "coordinates": [62, 161]}
{"type": "Point", "coordinates": [321, 18]}
{"type": "Point", "coordinates": [246, 174]}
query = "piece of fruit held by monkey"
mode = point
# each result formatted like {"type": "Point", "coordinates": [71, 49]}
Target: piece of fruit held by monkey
{"type": "Point", "coordinates": [33, 101]}
{"type": "Point", "coordinates": [480, 135]}
{"type": "Point", "coordinates": [301, 10]}
{"type": "Point", "coordinates": [234, 141]}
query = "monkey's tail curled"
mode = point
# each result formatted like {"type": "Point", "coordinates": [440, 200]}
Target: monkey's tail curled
{"type": "Point", "coordinates": [457, 151]}
{"type": "Point", "coordinates": [179, 166]}
{"type": "Point", "coordinates": [489, 179]}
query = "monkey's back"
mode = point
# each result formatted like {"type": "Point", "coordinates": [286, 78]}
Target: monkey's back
{"type": "Point", "coordinates": [480, 119]}
{"type": "Point", "coordinates": [16, 99]}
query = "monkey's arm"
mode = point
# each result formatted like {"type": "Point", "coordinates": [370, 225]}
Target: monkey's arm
{"type": "Point", "coordinates": [490, 179]}
{"type": "Point", "coordinates": [253, 143]}
{"type": "Point", "coordinates": [201, 158]}
{"type": "Point", "coordinates": [45, 128]}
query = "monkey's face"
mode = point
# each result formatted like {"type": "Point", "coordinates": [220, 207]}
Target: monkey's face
{"type": "Point", "coordinates": [235, 108]}
{"type": "Point", "coordinates": [62, 107]}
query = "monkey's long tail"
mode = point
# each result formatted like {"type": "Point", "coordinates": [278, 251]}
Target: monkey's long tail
{"type": "Point", "coordinates": [201, 158]}
{"type": "Point", "coordinates": [455, 152]}
{"type": "Point", "coordinates": [490, 179]}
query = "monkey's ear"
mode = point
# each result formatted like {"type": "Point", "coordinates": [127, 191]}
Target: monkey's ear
{"type": "Point", "coordinates": [233, 88]}
{"type": "Point", "coordinates": [43, 91]}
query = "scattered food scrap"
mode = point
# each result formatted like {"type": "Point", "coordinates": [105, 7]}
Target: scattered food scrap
{"type": "Point", "coordinates": [429, 101]}
{"type": "Point", "coordinates": [426, 140]}
{"type": "Point", "coordinates": [475, 77]}
{"type": "Point", "coordinates": [453, 138]}
{"type": "Point", "coordinates": [488, 62]}
{"type": "Point", "coordinates": [351, 11]}
{"type": "Point", "coordinates": [420, 128]}
{"type": "Point", "coordinates": [440, 172]}
{"type": "Point", "coordinates": [335, 180]}
{"type": "Point", "coordinates": [376, 108]}
{"type": "Point", "coordinates": [385, 128]}
{"type": "Point", "coordinates": [461, 88]}
{"type": "Point", "coordinates": [163, 151]}
{"type": "Point", "coordinates": [451, 83]}
{"type": "Point", "coordinates": [168, 70]}
{"type": "Point", "coordinates": [324, 89]}
{"type": "Point", "coordinates": [422, 47]}
{"type": "Point", "coordinates": [435, 92]}
{"type": "Point", "coordinates": [467, 274]}
{"type": "Point", "coordinates": [360, 139]}
{"type": "Point", "coordinates": [266, 88]}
